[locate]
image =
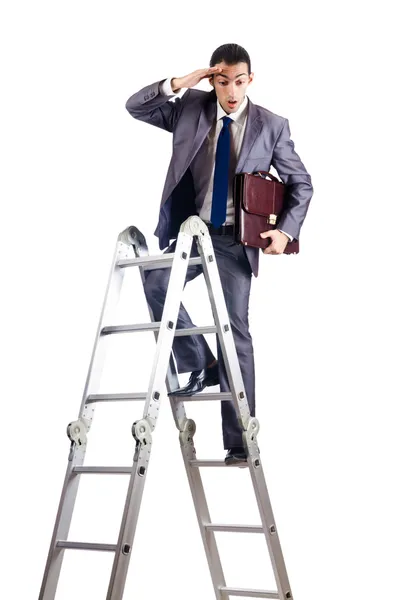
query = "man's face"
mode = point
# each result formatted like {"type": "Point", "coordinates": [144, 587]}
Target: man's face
{"type": "Point", "coordinates": [231, 84]}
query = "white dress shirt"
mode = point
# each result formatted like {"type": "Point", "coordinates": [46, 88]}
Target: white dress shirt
{"type": "Point", "coordinates": [237, 129]}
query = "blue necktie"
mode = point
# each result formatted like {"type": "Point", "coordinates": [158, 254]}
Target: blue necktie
{"type": "Point", "coordinates": [221, 175]}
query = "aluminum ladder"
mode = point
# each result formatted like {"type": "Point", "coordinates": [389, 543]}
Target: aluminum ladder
{"type": "Point", "coordinates": [131, 251]}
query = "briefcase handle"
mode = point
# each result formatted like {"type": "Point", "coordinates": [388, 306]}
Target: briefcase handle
{"type": "Point", "coordinates": [263, 174]}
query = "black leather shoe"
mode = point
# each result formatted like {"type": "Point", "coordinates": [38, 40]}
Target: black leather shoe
{"type": "Point", "coordinates": [235, 456]}
{"type": "Point", "coordinates": [198, 381]}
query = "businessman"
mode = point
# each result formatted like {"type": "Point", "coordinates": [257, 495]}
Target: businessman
{"type": "Point", "coordinates": [217, 134]}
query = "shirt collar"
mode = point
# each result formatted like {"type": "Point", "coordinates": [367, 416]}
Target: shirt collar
{"type": "Point", "coordinates": [238, 116]}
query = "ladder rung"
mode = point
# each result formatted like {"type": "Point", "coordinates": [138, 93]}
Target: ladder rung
{"type": "Point", "coordinates": [104, 470]}
{"type": "Point", "coordinates": [234, 528]}
{"type": "Point", "coordinates": [115, 397]}
{"type": "Point", "coordinates": [156, 327]}
{"type": "Point", "coordinates": [143, 395]}
{"type": "Point", "coordinates": [154, 262]}
{"type": "Point", "coordinates": [205, 397]}
{"type": "Point", "coordinates": [215, 463]}
{"type": "Point", "coordinates": [86, 546]}
{"type": "Point", "coordinates": [247, 593]}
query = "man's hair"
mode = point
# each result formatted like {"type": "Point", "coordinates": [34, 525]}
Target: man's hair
{"type": "Point", "coordinates": [231, 54]}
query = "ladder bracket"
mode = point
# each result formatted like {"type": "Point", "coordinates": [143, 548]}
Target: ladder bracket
{"type": "Point", "coordinates": [77, 432]}
{"type": "Point", "coordinates": [253, 428]}
{"type": "Point", "coordinates": [252, 444]}
{"type": "Point", "coordinates": [189, 429]}
{"type": "Point", "coordinates": [194, 226]}
{"type": "Point", "coordinates": [132, 236]}
{"type": "Point", "coordinates": [142, 432]}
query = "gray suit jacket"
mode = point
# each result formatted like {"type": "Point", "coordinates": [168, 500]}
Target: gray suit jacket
{"type": "Point", "coordinates": [266, 142]}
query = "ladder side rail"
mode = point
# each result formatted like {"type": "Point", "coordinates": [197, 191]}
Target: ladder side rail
{"type": "Point", "coordinates": [62, 524]}
{"type": "Point", "coordinates": [172, 381]}
{"type": "Point", "coordinates": [186, 430]}
{"type": "Point", "coordinates": [201, 507]}
{"type": "Point", "coordinates": [193, 226]}
{"type": "Point", "coordinates": [225, 335]}
{"type": "Point", "coordinates": [169, 320]}
{"type": "Point", "coordinates": [130, 515]}
{"type": "Point", "coordinates": [142, 429]}
{"type": "Point", "coordinates": [78, 447]}
{"type": "Point", "coordinates": [250, 425]}
{"type": "Point", "coordinates": [271, 532]}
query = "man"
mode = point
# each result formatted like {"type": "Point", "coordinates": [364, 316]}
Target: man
{"type": "Point", "coordinates": [215, 135]}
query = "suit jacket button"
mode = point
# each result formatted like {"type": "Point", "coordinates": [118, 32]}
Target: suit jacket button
{"type": "Point", "coordinates": [146, 97]}
{"type": "Point", "coordinates": [152, 94]}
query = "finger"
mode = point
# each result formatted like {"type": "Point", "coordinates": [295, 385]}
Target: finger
{"type": "Point", "coordinates": [211, 71]}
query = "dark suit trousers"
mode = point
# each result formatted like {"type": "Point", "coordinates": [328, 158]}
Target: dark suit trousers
{"type": "Point", "coordinates": [192, 353]}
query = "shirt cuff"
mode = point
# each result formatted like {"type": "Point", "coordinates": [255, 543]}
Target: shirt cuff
{"type": "Point", "coordinates": [166, 89]}
{"type": "Point", "coordinates": [290, 236]}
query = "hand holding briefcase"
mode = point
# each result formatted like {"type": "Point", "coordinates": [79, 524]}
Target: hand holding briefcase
{"type": "Point", "coordinates": [258, 202]}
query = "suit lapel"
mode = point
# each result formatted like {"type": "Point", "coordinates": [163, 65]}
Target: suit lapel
{"type": "Point", "coordinates": [253, 127]}
{"type": "Point", "coordinates": [206, 120]}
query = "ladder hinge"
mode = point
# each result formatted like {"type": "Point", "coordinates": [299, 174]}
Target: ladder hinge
{"type": "Point", "coordinates": [189, 429]}
{"type": "Point", "coordinates": [142, 432]}
{"type": "Point", "coordinates": [77, 432]}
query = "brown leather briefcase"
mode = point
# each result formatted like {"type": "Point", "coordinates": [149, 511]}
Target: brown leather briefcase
{"type": "Point", "coordinates": [258, 202]}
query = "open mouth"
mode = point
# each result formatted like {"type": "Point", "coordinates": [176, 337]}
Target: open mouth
{"type": "Point", "coordinates": [232, 104]}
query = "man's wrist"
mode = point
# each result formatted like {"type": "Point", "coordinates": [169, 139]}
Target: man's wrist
{"type": "Point", "coordinates": [175, 85]}
{"type": "Point", "coordinates": [290, 238]}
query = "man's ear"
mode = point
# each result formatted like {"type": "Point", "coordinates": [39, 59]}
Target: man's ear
{"type": "Point", "coordinates": [250, 78]}
{"type": "Point", "coordinates": [211, 80]}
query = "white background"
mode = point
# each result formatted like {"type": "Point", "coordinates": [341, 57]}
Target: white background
{"type": "Point", "coordinates": [76, 170]}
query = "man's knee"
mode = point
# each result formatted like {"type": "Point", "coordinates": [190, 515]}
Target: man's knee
{"type": "Point", "coordinates": [240, 328]}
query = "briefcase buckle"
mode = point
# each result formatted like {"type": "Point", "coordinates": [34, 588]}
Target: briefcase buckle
{"type": "Point", "coordinates": [272, 219]}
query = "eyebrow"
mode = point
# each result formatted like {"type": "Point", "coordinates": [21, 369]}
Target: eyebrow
{"type": "Point", "coordinates": [221, 75]}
